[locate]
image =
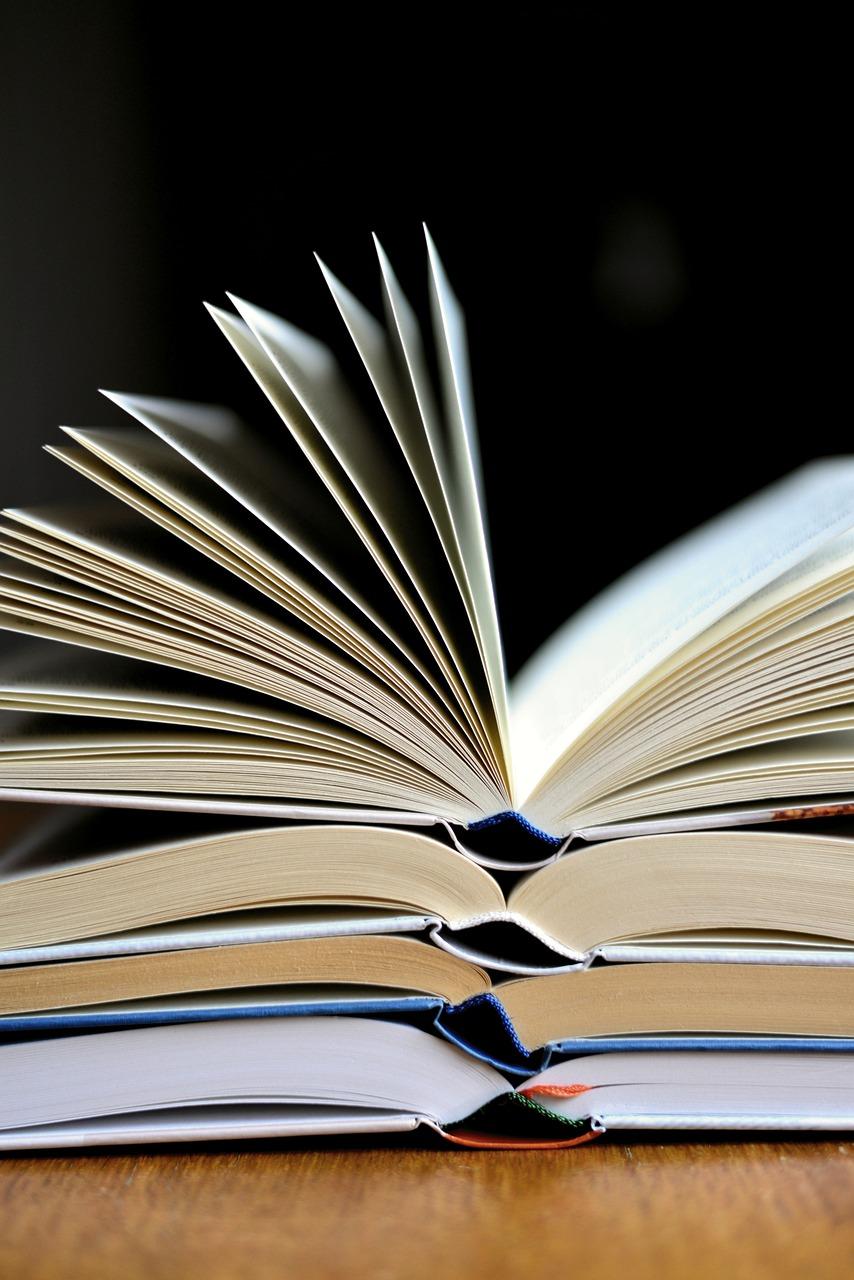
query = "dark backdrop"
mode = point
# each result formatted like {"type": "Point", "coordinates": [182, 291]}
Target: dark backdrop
{"type": "Point", "coordinates": [641, 218]}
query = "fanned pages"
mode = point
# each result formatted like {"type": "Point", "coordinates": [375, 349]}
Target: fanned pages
{"type": "Point", "coordinates": [294, 616]}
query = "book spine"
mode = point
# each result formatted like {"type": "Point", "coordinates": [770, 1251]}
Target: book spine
{"type": "Point", "coordinates": [482, 1026]}
{"type": "Point", "coordinates": [514, 1120]}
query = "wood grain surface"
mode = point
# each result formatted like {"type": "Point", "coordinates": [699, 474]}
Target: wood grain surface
{"type": "Point", "coordinates": [652, 1209]}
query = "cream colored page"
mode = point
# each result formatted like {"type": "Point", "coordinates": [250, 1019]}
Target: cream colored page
{"type": "Point", "coordinates": [46, 675]}
{"type": "Point", "coordinates": [233, 458]}
{"type": "Point", "coordinates": [452, 352]}
{"type": "Point", "coordinates": [399, 403]}
{"type": "Point", "coordinates": [429, 619]}
{"type": "Point", "coordinates": [450, 463]}
{"type": "Point", "coordinates": [187, 511]}
{"type": "Point", "coordinates": [664, 604]}
{"type": "Point", "coordinates": [821, 764]}
{"type": "Point", "coordinates": [382, 481]}
{"type": "Point", "coordinates": [714, 684]}
{"type": "Point", "coordinates": [32, 593]}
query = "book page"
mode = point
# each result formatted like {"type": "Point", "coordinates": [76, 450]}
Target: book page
{"type": "Point", "coordinates": [131, 563]}
{"type": "Point", "coordinates": [203, 522]}
{"type": "Point", "coordinates": [702, 1090]}
{"type": "Point", "coordinates": [452, 350]}
{"type": "Point", "coordinates": [366, 959]}
{"type": "Point", "coordinates": [255, 471]}
{"type": "Point", "coordinates": [374, 488]}
{"type": "Point", "coordinates": [396, 366]}
{"type": "Point", "coordinates": [814, 765]}
{"type": "Point", "coordinates": [208, 1124]}
{"type": "Point", "coordinates": [656, 609]}
{"type": "Point", "coordinates": [333, 556]}
{"type": "Point", "coordinates": [341, 1061]}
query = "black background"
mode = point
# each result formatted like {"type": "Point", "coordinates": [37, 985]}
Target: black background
{"type": "Point", "coordinates": [641, 216]}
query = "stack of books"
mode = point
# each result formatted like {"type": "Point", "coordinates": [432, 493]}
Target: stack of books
{"type": "Point", "coordinates": [290, 856]}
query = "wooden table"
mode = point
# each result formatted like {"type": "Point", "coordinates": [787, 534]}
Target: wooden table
{"type": "Point", "coordinates": [652, 1209]}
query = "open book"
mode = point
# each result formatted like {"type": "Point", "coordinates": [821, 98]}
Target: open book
{"type": "Point", "coordinates": [308, 1076]}
{"type": "Point", "coordinates": [296, 618]}
{"type": "Point", "coordinates": [75, 888]}
{"type": "Point", "coordinates": [247, 922]}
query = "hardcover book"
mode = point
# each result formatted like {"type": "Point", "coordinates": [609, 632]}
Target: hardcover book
{"type": "Point", "coordinates": [304, 861]}
{"type": "Point", "coordinates": [295, 617]}
{"type": "Point", "coordinates": [310, 1076]}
